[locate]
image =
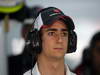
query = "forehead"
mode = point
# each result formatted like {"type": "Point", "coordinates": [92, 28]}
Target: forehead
{"type": "Point", "coordinates": [59, 24]}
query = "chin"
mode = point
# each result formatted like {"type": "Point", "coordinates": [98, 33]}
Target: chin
{"type": "Point", "coordinates": [59, 56]}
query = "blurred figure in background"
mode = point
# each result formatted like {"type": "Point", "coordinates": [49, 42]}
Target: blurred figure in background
{"type": "Point", "coordinates": [17, 64]}
{"type": "Point", "coordinates": [91, 58]}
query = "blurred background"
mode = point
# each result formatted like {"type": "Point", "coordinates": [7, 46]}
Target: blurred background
{"type": "Point", "coordinates": [85, 14]}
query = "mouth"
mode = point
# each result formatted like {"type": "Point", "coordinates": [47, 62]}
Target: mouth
{"type": "Point", "coordinates": [58, 48]}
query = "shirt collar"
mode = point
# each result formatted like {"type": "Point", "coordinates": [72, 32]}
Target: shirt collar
{"type": "Point", "coordinates": [35, 70]}
{"type": "Point", "coordinates": [68, 72]}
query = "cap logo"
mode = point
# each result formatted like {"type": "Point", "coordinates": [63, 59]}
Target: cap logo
{"type": "Point", "coordinates": [56, 11]}
{"type": "Point", "coordinates": [54, 14]}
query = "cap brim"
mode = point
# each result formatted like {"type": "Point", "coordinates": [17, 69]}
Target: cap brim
{"type": "Point", "coordinates": [68, 21]}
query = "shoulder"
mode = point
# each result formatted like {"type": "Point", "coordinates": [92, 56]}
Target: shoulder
{"type": "Point", "coordinates": [68, 71]}
{"type": "Point", "coordinates": [27, 73]}
{"type": "Point", "coordinates": [33, 71]}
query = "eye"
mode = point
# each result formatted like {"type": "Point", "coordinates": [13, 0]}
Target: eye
{"type": "Point", "coordinates": [64, 34]}
{"type": "Point", "coordinates": [51, 33]}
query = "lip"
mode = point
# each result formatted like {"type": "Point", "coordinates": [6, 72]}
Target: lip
{"type": "Point", "coordinates": [58, 48]}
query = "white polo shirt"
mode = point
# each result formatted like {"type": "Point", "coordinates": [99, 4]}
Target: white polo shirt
{"type": "Point", "coordinates": [35, 71]}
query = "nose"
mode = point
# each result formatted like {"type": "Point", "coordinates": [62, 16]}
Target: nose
{"type": "Point", "coordinates": [59, 38]}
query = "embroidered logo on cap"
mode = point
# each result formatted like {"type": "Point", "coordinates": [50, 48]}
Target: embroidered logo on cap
{"type": "Point", "coordinates": [55, 12]}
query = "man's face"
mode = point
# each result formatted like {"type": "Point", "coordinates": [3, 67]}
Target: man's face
{"type": "Point", "coordinates": [55, 40]}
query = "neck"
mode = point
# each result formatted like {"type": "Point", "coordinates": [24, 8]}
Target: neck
{"type": "Point", "coordinates": [48, 66]}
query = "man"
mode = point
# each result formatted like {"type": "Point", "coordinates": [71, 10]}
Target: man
{"type": "Point", "coordinates": [91, 58]}
{"type": "Point", "coordinates": [95, 53]}
{"type": "Point", "coordinates": [50, 39]}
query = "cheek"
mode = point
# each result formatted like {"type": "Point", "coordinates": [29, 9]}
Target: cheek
{"type": "Point", "coordinates": [46, 43]}
{"type": "Point", "coordinates": [66, 43]}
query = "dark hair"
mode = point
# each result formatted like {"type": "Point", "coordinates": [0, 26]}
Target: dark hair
{"type": "Point", "coordinates": [94, 40]}
{"type": "Point", "coordinates": [87, 53]}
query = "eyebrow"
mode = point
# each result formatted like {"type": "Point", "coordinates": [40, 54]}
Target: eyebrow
{"type": "Point", "coordinates": [53, 29]}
